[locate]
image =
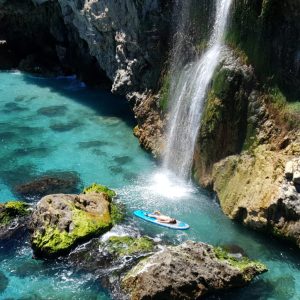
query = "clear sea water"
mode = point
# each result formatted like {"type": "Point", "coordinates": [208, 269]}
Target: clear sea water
{"type": "Point", "coordinates": [58, 124]}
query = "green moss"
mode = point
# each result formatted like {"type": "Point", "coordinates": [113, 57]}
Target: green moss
{"type": "Point", "coordinates": [241, 264]}
{"type": "Point", "coordinates": [125, 245]}
{"type": "Point", "coordinates": [221, 85]}
{"type": "Point", "coordinates": [98, 188]}
{"type": "Point", "coordinates": [164, 93]}
{"type": "Point", "coordinates": [287, 114]}
{"type": "Point", "coordinates": [54, 241]}
{"type": "Point", "coordinates": [117, 212]}
{"type": "Point", "coordinates": [11, 210]}
{"type": "Point", "coordinates": [259, 29]}
{"type": "Point", "coordinates": [212, 116]}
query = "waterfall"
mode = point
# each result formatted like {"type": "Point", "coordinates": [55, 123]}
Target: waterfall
{"type": "Point", "coordinates": [188, 91]}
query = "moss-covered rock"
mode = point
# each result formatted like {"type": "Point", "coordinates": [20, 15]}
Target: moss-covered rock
{"type": "Point", "coordinates": [98, 188]}
{"type": "Point", "coordinates": [62, 221]}
{"type": "Point", "coordinates": [165, 93]}
{"type": "Point", "coordinates": [242, 263]}
{"type": "Point", "coordinates": [172, 273]}
{"type": "Point", "coordinates": [16, 212]}
{"type": "Point", "coordinates": [225, 117]}
{"type": "Point", "coordinates": [126, 245]}
{"type": "Point", "coordinates": [11, 210]}
{"type": "Point", "coordinates": [117, 212]}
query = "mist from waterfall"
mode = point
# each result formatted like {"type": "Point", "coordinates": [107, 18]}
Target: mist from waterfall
{"type": "Point", "coordinates": [188, 90]}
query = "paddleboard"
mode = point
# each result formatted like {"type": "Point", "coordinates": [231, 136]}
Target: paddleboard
{"type": "Point", "coordinates": [143, 215]}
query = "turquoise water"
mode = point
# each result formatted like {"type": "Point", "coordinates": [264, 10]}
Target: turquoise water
{"type": "Point", "coordinates": [59, 125]}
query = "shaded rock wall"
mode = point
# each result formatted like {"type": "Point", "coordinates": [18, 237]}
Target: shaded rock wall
{"type": "Point", "coordinates": [128, 38]}
{"type": "Point", "coordinates": [224, 124]}
{"type": "Point", "coordinates": [35, 39]}
{"type": "Point", "coordinates": [268, 31]}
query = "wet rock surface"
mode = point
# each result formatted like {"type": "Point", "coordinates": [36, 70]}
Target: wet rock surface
{"type": "Point", "coordinates": [188, 271]}
{"type": "Point", "coordinates": [61, 221]}
{"type": "Point", "coordinates": [14, 218]}
{"type": "Point", "coordinates": [230, 105]}
{"type": "Point", "coordinates": [116, 253]}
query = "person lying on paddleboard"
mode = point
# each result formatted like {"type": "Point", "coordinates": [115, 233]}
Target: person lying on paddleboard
{"type": "Point", "coordinates": [162, 218]}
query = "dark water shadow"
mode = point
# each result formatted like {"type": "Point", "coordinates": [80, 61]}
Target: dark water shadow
{"type": "Point", "coordinates": [102, 102]}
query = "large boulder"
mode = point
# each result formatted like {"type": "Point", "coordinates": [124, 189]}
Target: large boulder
{"type": "Point", "coordinates": [188, 271]}
{"type": "Point", "coordinates": [61, 221]}
{"type": "Point", "coordinates": [13, 217]}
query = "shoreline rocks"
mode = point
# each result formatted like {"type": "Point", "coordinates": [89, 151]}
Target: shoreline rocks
{"type": "Point", "coordinates": [14, 216]}
{"type": "Point", "coordinates": [61, 221]}
{"type": "Point", "coordinates": [188, 271]}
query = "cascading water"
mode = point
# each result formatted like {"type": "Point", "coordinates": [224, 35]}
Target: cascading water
{"type": "Point", "coordinates": [188, 92]}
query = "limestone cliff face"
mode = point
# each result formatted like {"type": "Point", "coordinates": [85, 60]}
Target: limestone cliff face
{"type": "Point", "coordinates": [128, 38]}
{"type": "Point", "coordinates": [122, 45]}
{"type": "Point", "coordinates": [250, 131]}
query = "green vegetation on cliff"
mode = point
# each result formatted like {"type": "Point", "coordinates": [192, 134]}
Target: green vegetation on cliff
{"type": "Point", "coordinates": [164, 93]}
{"type": "Point", "coordinates": [267, 32]}
{"type": "Point", "coordinates": [286, 114]}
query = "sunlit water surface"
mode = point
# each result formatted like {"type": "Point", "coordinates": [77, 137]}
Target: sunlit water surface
{"type": "Point", "coordinates": [51, 125]}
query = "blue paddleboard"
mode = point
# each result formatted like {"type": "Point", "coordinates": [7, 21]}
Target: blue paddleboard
{"type": "Point", "coordinates": [143, 215]}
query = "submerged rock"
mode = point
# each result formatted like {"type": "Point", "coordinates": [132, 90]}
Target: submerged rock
{"type": "Point", "coordinates": [60, 182]}
{"type": "Point", "coordinates": [188, 271]}
{"type": "Point", "coordinates": [61, 221]}
{"type": "Point", "coordinates": [53, 111]}
{"type": "Point", "coordinates": [13, 217]}
{"type": "Point", "coordinates": [3, 282]}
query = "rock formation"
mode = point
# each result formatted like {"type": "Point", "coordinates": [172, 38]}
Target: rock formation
{"type": "Point", "coordinates": [61, 221]}
{"type": "Point", "coordinates": [247, 117]}
{"type": "Point", "coordinates": [14, 216]}
{"type": "Point", "coordinates": [188, 271]}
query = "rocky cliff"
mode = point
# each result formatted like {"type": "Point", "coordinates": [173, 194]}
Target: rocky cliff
{"type": "Point", "coordinates": [122, 45]}
{"type": "Point", "coordinates": [248, 145]}
{"type": "Point", "coordinates": [250, 125]}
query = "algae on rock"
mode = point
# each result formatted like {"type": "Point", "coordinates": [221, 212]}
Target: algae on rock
{"type": "Point", "coordinates": [187, 271]}
{"type": "Point", "coordinates": [126, 245]}
{"type": "Point", "coordinates": [61, 221]}
{"type": "Point", "coordinates": [11, 210]}
{"type": "Point", "coordinates": [98, 188]}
